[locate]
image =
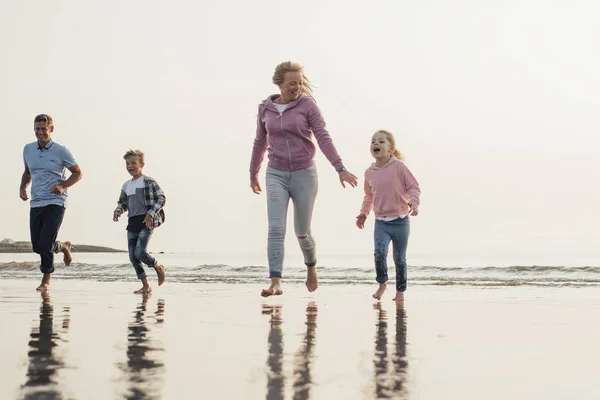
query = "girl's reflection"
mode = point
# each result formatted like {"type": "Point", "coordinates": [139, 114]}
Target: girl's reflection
{"type": "Point", "coordinates": [390, 380]}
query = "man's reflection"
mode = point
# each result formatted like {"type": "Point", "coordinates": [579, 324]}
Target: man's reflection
{"type": "Point", "coordinates": [144, 365]}
{"type": "Point", "coordinates": [44, 363]}
{"type": "Point", "coordinates": [390, 380]}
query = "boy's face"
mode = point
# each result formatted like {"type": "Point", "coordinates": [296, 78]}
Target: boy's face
{"type": "Point", "coordinates": [134, 166]}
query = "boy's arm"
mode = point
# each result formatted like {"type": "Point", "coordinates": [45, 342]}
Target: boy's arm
{"type": "Point", "coordinates": [160, 197]}
{"type": "Point", "coordinates": [122, 203]}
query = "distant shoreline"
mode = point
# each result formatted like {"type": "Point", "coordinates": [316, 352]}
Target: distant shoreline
{"type": "Point", "coordinates": [25, 247]}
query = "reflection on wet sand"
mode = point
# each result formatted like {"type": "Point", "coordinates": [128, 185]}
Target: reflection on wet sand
{"type": "Point", "coordinates": [302, 358]}
{"type": "Point", "coordinates": [390, 380]}
{"type": "Point", "coordinates": [144, 367]}
{"type": "Point", "coordinates": [44, 363]}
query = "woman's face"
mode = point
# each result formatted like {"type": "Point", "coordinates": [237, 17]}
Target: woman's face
{"type": "Point", "coordinates": [291, 87]}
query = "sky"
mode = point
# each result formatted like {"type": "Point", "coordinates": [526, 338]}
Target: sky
{"type": "Point", "coordinates": [494, 104]}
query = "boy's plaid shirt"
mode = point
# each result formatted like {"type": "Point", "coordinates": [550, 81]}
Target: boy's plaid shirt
{"type": "Point", "coordinates": [155, 201]}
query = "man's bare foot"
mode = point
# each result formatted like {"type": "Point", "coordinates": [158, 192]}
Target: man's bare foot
{"type": "Point", "coordinates": [66, 249]}
{"type": "Point", "coordinates": [311, 279]}
{"type": "Point", "coordinates": [45, 284]}
{"type": "Point", "coordinates": [43, 288]}
{"type": "Point", "coordinates": [274, 289]}
{"type": "Point", "coordinates": [377, 295]}
{"type": "Point", "coordinates": [143, 290]}
{"type": "Point", "coordinates": [160, 272]}
{"type": "Point", "coordinates": [399, 297]}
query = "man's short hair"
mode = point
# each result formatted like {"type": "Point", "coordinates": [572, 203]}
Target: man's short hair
{"type": "Point", "coordinates": [131, 153]}
{"type": "Point", "coordinates": [44, 118]}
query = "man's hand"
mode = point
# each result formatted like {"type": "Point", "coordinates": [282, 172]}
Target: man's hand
{"type": "Point", "coordinates": [360, 220]}
{"type": "Point", "coordinates": [116, 215]}
{"type": "Point", "coordinates": [57, 189]}
{"type": "Point", "coordinates": [148, 222]}
{"type": "Point", "coordinates": [346, 176]}
{"type": "Point", "coordinates": [23, 194]}
{"type": "Point", "coordinates": [255, 186]}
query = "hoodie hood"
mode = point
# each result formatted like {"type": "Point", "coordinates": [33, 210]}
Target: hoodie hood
{"type": "Point", "coordinates": [390, 162]}
{"type": "Point", "coordinates": [268, 102]}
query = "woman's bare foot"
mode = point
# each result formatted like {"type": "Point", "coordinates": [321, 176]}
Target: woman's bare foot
{"type": "Point", "coordinates": [144, 290]}
{"type": "Point", "coordinates": [66, 250]}
{"type": "Point", "coordinates": [377, 295]}
{"type": "Point", "coordinates": [274, 289]}
{"type": "Point", "coordinates": [160, 272]}
{"type": "Point", "coordinates": [311, 279]}
{"type": "Point", "coordinates": [399, 297]}
{"type": "Point", "coordinates": [45, 284]}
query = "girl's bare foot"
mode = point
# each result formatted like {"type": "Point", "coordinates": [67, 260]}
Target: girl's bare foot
{"type": "Point", "coordinates": [377, 295]}
{"type": "Point", "coordinates": [144, 290]}
{"type": "Point", "coordinates": [43, 288]}
{"type": "Point", "coordinates": [399, 297]}
{"type": "Point", "coordinates": [274, 289]}
{"type": "Point", "coordinates": [311, 279]}
{"type": "Point", "coordinates": [66, 250]}
{"type": "Point", "coordinates": [160, 272]}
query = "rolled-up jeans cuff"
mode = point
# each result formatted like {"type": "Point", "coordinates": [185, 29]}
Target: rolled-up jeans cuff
{"type": "Point", "coordinates": [274, 274]}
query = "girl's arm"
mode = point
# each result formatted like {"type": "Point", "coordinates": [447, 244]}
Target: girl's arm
{"type": "Point", "coordinates": [410, 184]}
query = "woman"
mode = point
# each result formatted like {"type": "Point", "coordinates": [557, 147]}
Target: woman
{"type": "Point", "coordinates": [285, 125]}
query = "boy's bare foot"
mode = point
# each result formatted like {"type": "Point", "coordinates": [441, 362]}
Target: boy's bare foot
{"type": "Point", "coordinates": [45, 284]}
{"type": "Point", "coordinates": [66, 249]}
{"type": "Point", "coordinates": [399, 297]}
{"type": "Point", "coordinates": [274, 289]}
{"type": "Point", "coordinates": [160, 272]}
{"type": "Point", "coordinates": [377, 295]}
{"type": "Point", "coordinates": [311, 279]}
{"type": "Point", "coordinates": [143, 290]}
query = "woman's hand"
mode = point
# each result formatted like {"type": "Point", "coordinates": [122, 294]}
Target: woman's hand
{"type": "Point", "coordinates": [255, 186]}
{"type": "Point", "coordinates": [346, 176]}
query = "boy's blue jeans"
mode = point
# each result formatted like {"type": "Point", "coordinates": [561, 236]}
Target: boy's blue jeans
{"type": "Point", "coordinates": [396, 231]}
{"type": "Point", "coordinates": [138, 254]}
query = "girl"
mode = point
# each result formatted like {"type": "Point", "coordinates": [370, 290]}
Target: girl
{"type": "Point", "coordinates": [393, 193]}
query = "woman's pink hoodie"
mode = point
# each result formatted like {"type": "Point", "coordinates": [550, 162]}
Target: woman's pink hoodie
{"type": "Point", "coordinates": [287, 137]}
{"type": "Point", "coordinates": [389, 189]}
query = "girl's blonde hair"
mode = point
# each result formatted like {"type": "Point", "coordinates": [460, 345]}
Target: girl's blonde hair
{"type": "Point", "coordinates": [396, 153]}
{"type": "Point", "coordinates": [289, 66]}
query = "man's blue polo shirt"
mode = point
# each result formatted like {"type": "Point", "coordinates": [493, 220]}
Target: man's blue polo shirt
{"type": "Point", "coordinates": [48, 167]}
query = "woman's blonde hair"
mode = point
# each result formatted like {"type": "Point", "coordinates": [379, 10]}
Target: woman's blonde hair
{"type": "Point", "coordinates": [396, 153]}
{"type": "Point", "coordinates": [289, 66]}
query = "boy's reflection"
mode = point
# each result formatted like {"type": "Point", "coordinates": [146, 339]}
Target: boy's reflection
{"type": "Point", "coordinates": [144, 364]}
{"type": "Point", "coordinates": [390, 384]}
{"type": "Point", "coordinates": [302, 359]}
{"type": "Point", "coordinates": [44, 363]}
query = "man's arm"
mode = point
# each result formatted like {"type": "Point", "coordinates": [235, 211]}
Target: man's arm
{"type": "Point", "coordinates": [75, 177]}
{"type": "Point", "coordinates": [25, 181]}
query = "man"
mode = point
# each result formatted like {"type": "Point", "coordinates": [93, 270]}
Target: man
{"type": "Point", "coordinates": [45, 167]}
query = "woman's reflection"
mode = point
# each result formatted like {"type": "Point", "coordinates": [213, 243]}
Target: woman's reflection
{"type": "Point", "coordinates": [390, 380]}
{"type": "Point", "coordinates": [144, 366]}
{"type": "Point", "coordinates": [302, 358]}
{"type": "Point", "coordinates": [44, 362]}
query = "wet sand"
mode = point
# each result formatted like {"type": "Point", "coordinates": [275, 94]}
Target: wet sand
{"type": "Point", "coordinates": [96, 340]}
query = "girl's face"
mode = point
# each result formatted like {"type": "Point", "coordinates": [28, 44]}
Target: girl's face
{"type": "Point", "coordinates": [291, 87]}
{"type": "Point", "coordinates": [381, 148]}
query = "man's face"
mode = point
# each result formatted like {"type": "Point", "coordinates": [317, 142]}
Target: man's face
{"type": "Point", "coordinates": [43, 132]}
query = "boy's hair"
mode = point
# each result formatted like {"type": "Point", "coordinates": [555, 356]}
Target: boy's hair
{"type": "Point", "coordinates": [43, 118]}
{"type": "Point", "coordinates": [392, 141]}
{"type": "Point", "coordinates": [131, 153]}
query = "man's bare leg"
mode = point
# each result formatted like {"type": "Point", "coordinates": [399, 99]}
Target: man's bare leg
{"type": "Point", "coordinates": [65, 247]}
{"type": "Point", "coordinates": [312, 282]}
{"type": "Point", "coordinates": [274, 289]}
{"type": "Point", "coordinates": [399, 297]}
{"type": "Point", "coordinates": [145, 289]}
{"type": "Point", "coordinates": [377, 295]}
{"type": "Point", "coordinates": [160, 273]}
{"type": "Point", "coordinates": [45, 285]}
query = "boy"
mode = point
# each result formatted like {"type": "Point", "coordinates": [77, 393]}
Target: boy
{"type": "Point", "coordinates": [144, 200]}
